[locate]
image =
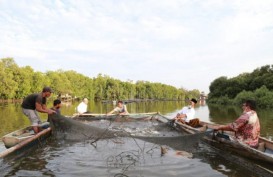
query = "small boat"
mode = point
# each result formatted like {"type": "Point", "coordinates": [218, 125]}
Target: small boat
{"type": "Point", "coordinates": [93, 116]}
{"type": "Point", "coordinates": [224, 141]}
{"type": "Point", "coordinates": [203, 127]}
{"type": "Point", "coordinates": [17, 136]}
{"type": "Point", "coordinates": [24, 138]}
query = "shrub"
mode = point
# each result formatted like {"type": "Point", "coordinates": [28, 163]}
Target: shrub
{"type": "Point", "coordinates": [243, 96]}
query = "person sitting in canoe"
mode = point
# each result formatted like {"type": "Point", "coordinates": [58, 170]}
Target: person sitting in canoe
{"type": "Point", "coordinates": [36, 102]}
{"type": "Point", "coordinates": [82, 107]}
{"type": "Point", "coordinates": [186, 114]}
{"type": "Point", "coordinates": [121, 109]}
{"type": "Point", "coordinates": [247, 126]}
{"type": "Point", "coordinates": [57, 104]}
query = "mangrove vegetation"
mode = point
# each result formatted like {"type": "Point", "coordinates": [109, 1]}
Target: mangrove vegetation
{"type": "Point", "coordinates": [257, 85]}
{"type": "Point", "coordinates": [18, 82]}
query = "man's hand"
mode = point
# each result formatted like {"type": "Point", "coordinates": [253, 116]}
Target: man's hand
{"type": "Point", "coordinates": [51, 111]}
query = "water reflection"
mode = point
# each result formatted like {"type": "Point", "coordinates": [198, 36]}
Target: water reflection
{"type": "Point", "coordinates": [12, 118]}
{"type": "Point", "coordinates": [125, 157]}
{"type": "Point", "coordinates": [128, 156]}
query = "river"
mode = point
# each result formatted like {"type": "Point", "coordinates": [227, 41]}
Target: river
{"type": "Point", "coordinates": [127, 156]}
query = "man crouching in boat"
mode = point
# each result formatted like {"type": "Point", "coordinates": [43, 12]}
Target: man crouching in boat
{"type": "Point", "coordinates": [186, 114]}
{"type": "Point", "coordinates": [121, 109]}
{"type": "Point", "coordinates": [36, 102]}
{"type": "Point", "coordinates": [247, 126]}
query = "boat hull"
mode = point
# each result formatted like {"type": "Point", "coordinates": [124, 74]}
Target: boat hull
{"type": "Point", "coordinates": [26, 143]}
{"type": "Point", "coordinates": [264, 153]}
{"type": "Point", "coordinates": [17, 136]}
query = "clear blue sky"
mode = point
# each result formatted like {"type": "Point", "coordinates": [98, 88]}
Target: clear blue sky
{"type": "Point", "coordinates": [183, 43]}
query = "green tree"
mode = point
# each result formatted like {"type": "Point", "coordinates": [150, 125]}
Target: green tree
{"type": "Point", "coordinates": [100, 86]}
{"type": "Point", "coordinates": [9, 86]}
{"type": "Point", "coordinates": [17, 82]}
{"type": "Point", "coordinates": [217, 87]}
{"type": "Point", "coordinates": [23, 77]}
{"type": "Point", "coordinates": [39, 80]}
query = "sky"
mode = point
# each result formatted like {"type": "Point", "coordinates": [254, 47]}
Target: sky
{"type": "Point", "coordinates": [183, 43]}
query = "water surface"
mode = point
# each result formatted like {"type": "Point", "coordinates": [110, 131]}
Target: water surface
{"type": "Point", "coordinates": [129, 156]}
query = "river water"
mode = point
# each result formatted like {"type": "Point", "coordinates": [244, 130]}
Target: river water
{"type": "Point", "coordinates": [128, 156]}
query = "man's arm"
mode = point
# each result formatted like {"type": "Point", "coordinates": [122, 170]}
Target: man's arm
{"type": "Point", "coordinates": [223, 127]}
{"type": "Point", "coordinates": [125, 111]}
{"type": "Point", "coordinates": [43, 109]}
{"type": "Point", "coordinates": [180, 117]}
{"type": "Point", "coordinates": [234, 126]}
{"type": "Point", "coordinates": [111, 112]}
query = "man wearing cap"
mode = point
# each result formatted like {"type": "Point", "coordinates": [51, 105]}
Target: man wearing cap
{"type": "Point", "coordinates": [36, 102]}
{"type": "Point", "coordinates": [187, 113]}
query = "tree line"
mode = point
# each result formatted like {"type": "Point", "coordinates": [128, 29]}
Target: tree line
{"type": "Point", "coordinates": [257, 85]}
{"type": "Point", "coordinates": [18, 82]}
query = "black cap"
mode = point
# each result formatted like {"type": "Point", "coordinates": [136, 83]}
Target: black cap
{"type": "Point", "coordinates": [47, 89]}
{"type": "Point", "coordinates": [194, 100]}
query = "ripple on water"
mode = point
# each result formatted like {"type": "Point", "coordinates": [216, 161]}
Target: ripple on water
{"type": "Point", "coordinates": [129, 157]}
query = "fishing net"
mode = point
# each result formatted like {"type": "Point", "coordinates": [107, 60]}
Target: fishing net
{"type": "Point", "coordinates": [146, 128]}
{"type": "Point", "coordinates": [69, 129]}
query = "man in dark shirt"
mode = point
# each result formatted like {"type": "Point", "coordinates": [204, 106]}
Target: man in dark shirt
{"type": "Point", "coordinates": [36, 102]}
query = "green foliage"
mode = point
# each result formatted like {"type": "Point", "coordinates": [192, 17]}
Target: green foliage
{"type": "Point", "coordinates": [243, 96]}
{"type": "Point", "coordinates": [264, 97]}
{"type": "Point", "coordinates": [247, 81]}
{"type": "Point", "coordinates": [217, 87]}
{"type": "Point", "coordinates": [257, 85]}
{"type": "Point", "coordinates": [223, 100]}
{"type": "Point", "coordinates": [9, 85]}
{"type": "Point", "coordinates": [17, 82]}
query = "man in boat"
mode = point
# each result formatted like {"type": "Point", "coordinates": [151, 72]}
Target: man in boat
{"type": "Point", "coordinates": [247, 126]}
{"type": "Point", "coordinates": [121, 109]}
{"type": "Point", "coordinates": [36, 102]}
{"type": "Point", "coordinates": [57, 104]}
{"type": "Point", "coordinates": [82, 107]}
{"type": "Point", "coordinates": [187, 113]}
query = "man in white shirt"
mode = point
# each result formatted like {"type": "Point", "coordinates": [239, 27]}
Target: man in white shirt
{"type": "Point", "coordinates": [82, 107]}
{"type": "Point", "coordinates": [186, 115]}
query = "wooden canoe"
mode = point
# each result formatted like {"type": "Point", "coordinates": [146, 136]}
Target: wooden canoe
{"type": "Point", "coordinates": [104, 115]}
{"type": "Point", "coordinates": [17, 136]}
{"type": "Point", "coordinates": [27, 143]}
{"type": "Point", "coordinates": [263, 153]}
{"type": "Point", "coordinates": [223, 141]}
{"type": "Point", "coordinates": [20, 135]}
{"type": "Point", "coordinates": [203, 127]}
{"type": "Point", "coordinates": [92, 116]}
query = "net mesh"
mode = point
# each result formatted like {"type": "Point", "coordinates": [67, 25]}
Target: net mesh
{"type": "Point", "coordinates": [145, 128]}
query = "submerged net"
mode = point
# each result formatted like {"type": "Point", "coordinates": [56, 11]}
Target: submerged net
{"type": "Point", "coordinates": [145, 128]}
{"type": "Point", "coordinates": [69, 129]}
